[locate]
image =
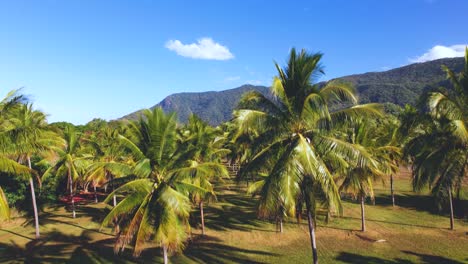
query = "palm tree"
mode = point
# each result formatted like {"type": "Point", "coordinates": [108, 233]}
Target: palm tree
{"type": "Point", "coordinates": [70, 162]}
{"type": "Point", "coordinates": [359, 176]}
{"type": "Point", "coordinates": [155, 205]}
{"type": "Point", "coordinates": [442, 166]}
{"type": "Point", "coordinates": [109, 160]}
{"type": "Point", "coordinates": [12, 101]}
{"type": "Point", "coordinates": [201, 150]}
{"type": "Point", "coordinates": [29, 132]}
{"type": "Point", "coordinates": [295, 145]}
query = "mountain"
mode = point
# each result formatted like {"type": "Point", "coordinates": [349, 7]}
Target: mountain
{"type": "Point", "coordinates": [213, 107]}
{"type": "Point", "coordinates": [398, 86]}
{"type": "Point", "coordinates": [402, 85]}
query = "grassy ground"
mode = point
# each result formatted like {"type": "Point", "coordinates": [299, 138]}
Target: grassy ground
{"type": "Point", "coordinates": [413, 233]}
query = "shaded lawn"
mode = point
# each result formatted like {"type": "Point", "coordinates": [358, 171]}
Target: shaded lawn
{"type": "Point", "coordinates": [413, 233]}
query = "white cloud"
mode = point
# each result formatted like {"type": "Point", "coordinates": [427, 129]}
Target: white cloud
{"type": "Point", "coordinates": [232, 78]}
{"type": "Point", "coordinates": [439, 52]}
{"type": "Point", "coordinates": [254, 82]}
{"type": "Point", "coordinates": [205, 49]}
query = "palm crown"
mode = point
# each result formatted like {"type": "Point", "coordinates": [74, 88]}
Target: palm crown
{"type": "Point", "coordinates": [294, 144]}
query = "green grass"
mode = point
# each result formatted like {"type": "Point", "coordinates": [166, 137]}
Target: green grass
{"type": "Point", "coordinates": [413, 232]}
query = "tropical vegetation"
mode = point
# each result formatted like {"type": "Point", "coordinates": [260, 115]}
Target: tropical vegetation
{"type": "Point", "coordinates": [305, 149]}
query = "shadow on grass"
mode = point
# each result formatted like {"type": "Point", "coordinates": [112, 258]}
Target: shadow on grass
{"type": "Point", "coordinates": [424, 258]}
{"type": "Point", "coordinates": [425, 203]}
{"type": "Point", "coordinates": [347, 257]}
{"type": "Point", "coordinates": [390, 222]}
{"type": "Point", "coordinates": [56, 247]}
{"type": "Point", "coordinates": [236, 213]}
{"type": "Point", "coordinates": [55, 216]}
{"type": "Point", "coordinates": [206, 249]}
{"type": "Point", "coordinates": [16, 234]}
{"type": "Point", "coordinates": [356, 258]}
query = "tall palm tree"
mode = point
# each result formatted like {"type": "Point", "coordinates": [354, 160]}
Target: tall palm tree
{"type": "Point", "coordinates": [201, 150]}
{"type": "Point", "coordinates": [155, 205]}
{"type": "Point", "coordinates": [359, 177]}
{"type": "Point", "coordinates": [12, 101]}
{"type": "Point", "coordinates": [30, 134]}
{"type": "Point", "coordinates": [70, 162]}
{"type": "Point", "coordinates": [109, 160]}
{"type": "Point", "coordinates": [442, 166]}
{"type": "Point", "coordinates": [295, 145]}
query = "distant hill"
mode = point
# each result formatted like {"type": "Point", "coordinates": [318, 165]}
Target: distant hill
{"type": "Point", "coordinates": [398, 86]}
{"type": "Point", "coordinates": [213, 107]}
{"type": "Point", "coordinates": [402, 85]}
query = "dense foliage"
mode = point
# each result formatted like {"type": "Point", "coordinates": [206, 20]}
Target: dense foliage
{"type": "Point", "coordinates": [301, 147]}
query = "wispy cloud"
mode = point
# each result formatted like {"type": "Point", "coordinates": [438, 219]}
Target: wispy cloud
{"type": "Point", "coordinates": [204, 48]}
{"type": "Point", "coordinates": [439, 52]}
{"type": "Point", "coordinates": [254, 82]}
{"type": "Point", "coordinates": [232, 78]}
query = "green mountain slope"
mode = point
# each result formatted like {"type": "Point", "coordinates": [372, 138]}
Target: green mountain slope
{"type": "Point", "coordinates": [399, 86]}
{"type": "Point", "coordinates": [213, 107]}
{"type": "Point", "coordinates": [402, 85]}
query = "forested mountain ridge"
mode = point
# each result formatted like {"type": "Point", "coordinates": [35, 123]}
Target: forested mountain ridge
{"type": "Point", "coordinates": [402, 85]}
{"type": "Point", "coordinates": [213, 107]}
{"type": "Point", "coordinates": [398, 86]}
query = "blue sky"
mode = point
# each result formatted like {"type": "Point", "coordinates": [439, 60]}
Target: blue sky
{"type": "Point", "coordinates": [84, 59]}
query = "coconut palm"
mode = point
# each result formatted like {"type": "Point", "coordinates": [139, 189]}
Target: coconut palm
{"type": "Point", "coordinates": [295, 145]}
{"type": "Point", "coordinates": [30, 136]}
{"type": "Point", "coordinates": [70, 162]}
{"type": "Point", "coordinates": [12, 101]}
{"type": "Point", "coordinates": [155, 206]}
{"type": "Point", "coordinates": [442, 166]}
{"type": "Point", "coordinates": [201, 150]}
{"type": "Point", "coordinates": [360, 176]}
{"type": "Point", "coordinates": [109, 160]}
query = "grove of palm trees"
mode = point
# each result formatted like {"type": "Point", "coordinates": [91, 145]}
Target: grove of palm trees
{"type": "Point", "coordinates": [305, 174]}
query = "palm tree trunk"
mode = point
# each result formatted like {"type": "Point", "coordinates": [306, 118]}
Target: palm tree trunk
{"type": "Point", "coordinates": [452, 220]}
{"type": "Point", "coordinates": [114, 198]}
{"type": "Point", "coordinates": [363, 215]}
{"type": "Point", "coordinates": [70, 179]}
{"type": "Point", "coordinates": [299, 212]}
{"type": "Point", "coordinates": [312, 235]}
{"type": "Point", "coordinates": [33, 197]}
{"type": "Point", "coordinates": [95, 194]}
{"type": "Point", "coordinates": [391, 190]}
{"type": "Point", "coordinates": [281, 224]}
{"type": "Point", "coordinates": [166, 261]}
{"type": "Point", "coordinates": [202, 218]}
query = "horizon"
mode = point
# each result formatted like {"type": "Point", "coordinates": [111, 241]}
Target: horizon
{"type": "Point", "coordinates": [84, 60]}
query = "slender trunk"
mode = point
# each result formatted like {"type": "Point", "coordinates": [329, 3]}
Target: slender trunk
{"type": "Point", "coordinates": [391, 190]}
{"type": "Point", "coordinates": [202, 218]}
{"type": "Point", "coordinates": [70, 179]}
{"type": "Point", "coordinates": [114, 198]}
{"type": "Point", "coordinates": [451, 208]}
{"type": "Point", "coordinates": [312, 235]}
{"type": "Point", "coordinates": [166, 261]}
{"type": "Point", "coordinates": [95, 193]}
{"type": "Point", "coordinates": [363, 215]}
{"type": "Point", "coordinates": [33, 197]}
{"type": "Point", "coordinates": [281, 225]}
{"type": "Point", "coordinates": [299, 212]}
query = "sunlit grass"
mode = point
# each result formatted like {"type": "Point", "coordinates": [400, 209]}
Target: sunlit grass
{"type": "Point", "coordinates": [409, 232]}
